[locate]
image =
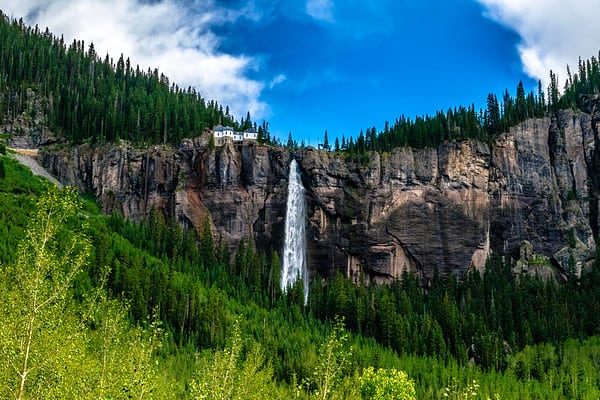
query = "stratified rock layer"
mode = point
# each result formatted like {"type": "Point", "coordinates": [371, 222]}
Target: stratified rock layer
{"type": "Point", "coordinates": [409, 210]}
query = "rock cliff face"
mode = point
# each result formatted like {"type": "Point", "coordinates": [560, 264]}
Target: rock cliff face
{"type": "Point", "coordinates": [407, 210]}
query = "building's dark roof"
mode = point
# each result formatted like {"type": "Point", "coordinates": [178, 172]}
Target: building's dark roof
{"type": "Point", "coordinates": [222, 128]}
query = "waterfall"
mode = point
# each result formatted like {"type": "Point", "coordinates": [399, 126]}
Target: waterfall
{"type": "Point", "coordinates": [294, 250]}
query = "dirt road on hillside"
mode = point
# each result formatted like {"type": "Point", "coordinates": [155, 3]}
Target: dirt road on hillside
{"type": "Point", "coordinates": [27, 158]}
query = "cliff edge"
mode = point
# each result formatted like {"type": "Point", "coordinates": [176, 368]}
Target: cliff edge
{"type": "Point", "coordinates": [409, 210]}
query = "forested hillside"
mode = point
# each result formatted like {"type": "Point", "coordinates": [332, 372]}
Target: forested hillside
{"type": "Point", "coordinates": [462, 122]}
{"type": "Point", "coordinates": [88, 96]}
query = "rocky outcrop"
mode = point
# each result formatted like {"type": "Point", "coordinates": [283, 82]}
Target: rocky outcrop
{"type": "Point", "coordinates": [25, 119]}
{"type": "Point", "coordinates": [535, 265]}
{"type": "Point", "coordinates": [409, 210]}
{"type": "Point", "coordinates": [542, 188]}
{"type": "Point", "coordinates": [241, 188]}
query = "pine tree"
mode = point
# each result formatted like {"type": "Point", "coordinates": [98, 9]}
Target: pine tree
{"type": "Point", "coordinates": [541, 101]}
{"type": "Point", "coordinates": [521, 103]}
{"type": "Point", "coordinates": [274, 283]}
{"type": "Point", "coordinates": [326, 142]}
{"type": "Point", "coordinates": [553, 95]}
{"type": "Point", "coordinates": [492, 115]}
{"type": "Point", "coordinates": [207, 244]}
{"type": "Point", "coordinates": [248, 122]}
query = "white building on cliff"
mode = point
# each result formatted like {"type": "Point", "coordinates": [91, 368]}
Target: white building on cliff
{"type": "Point", "coordinates": [224, 134]}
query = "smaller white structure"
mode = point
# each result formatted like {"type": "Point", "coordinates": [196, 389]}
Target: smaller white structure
{"type": "Point", "coordinates": [250, 134]}
{"type": "Point", "coordinates": [224, 134]}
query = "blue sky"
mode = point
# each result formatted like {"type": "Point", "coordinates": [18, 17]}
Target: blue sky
{"type": "Point", "coordinates": [314, 65]}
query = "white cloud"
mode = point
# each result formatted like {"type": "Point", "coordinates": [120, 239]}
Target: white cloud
{"type": "Point", "coordinates": [277, 80]}
{"type": "Point", "coordinates": [553, 33]}
{"type": "Point", "coordinates": [320, 9]}
{"type": "Point", "coordinates": [176, 39]}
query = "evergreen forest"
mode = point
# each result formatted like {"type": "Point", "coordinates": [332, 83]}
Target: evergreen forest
{"type": "Point", "coordinates": [87, 97]}
{"type": "Point", "coordinates": [96, 306]}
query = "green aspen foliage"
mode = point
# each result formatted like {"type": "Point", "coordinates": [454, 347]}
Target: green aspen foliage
{"type": "Point", "coordinates": [332, 365]}
{"type": "Point", "coordinates": [470, 391]}
{"type": "Point", "coordinates": [52, 347]}
{"type": "Point", "coordinates": [40, 338]}
{"type": "Point", "coordinates": [386, 384]}
{"type": "Point", "coordinates": [229, 374]}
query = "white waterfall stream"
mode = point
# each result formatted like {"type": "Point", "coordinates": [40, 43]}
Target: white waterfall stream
{"type": "Point", "coordinates": [294, 250]}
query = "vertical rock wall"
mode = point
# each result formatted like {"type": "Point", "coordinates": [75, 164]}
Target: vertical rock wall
{"type": "Point", "coordinates": [409, 210]}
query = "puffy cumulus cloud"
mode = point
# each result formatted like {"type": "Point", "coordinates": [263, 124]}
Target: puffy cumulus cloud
{"type": "Point", "coordinates": [320, 9]}
{"type": "Point", "coordinates": [175, 37]}
{"type": "Point", "coordinates": [553, 33]}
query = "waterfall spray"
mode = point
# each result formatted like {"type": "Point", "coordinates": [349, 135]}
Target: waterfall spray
{"type": "Point", "coordinates": [294, 250]}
